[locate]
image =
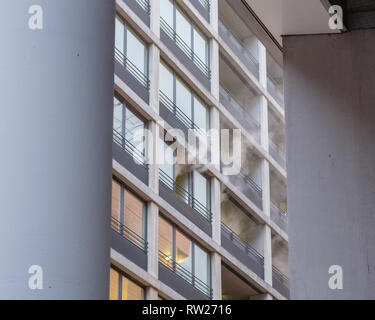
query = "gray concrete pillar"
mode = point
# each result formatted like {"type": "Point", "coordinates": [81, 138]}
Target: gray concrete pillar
{"type": "Point", "coordinates": [330, 116]}
{"type": "Point", "coordinates": [56, 79]}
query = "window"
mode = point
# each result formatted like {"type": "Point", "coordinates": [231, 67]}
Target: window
{"type": "Point", "coordinates": [184, 256]}
{"type": "Point", "coordinates": [128, 214]}
{"type": "Point", "coordinates": [131, 50]}
{"type": "Point", "coordinates": [187, 36]}
{"type": "Point", "coordinates": [174, 92]}
{"type": "Point", "coordinates": [123, 288]}
{"type": "Point", "coordinates": [130, 128]}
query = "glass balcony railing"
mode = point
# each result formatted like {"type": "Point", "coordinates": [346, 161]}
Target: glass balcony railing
{"type": "Point", "coordinates": [184, 195]}
{"type": "Point", "coordinates": [277, 153]}
{"type": "Point", "coordinates": [185, 274]}
{"type": "Point", "coordinates": [279, 216]}
{"type": "Point", "coordinates": [132, 69]}
{"type": "Point", "coordinates": [280, 282]}
{"type": "Point", "coordinates": [185, 48]}
{"type": "Point", "coordinates": [275, 89]}
{"type": "Point", "coordinates": [242, 52]}
{"type": "Point", "coordinates": [243, 251]}
{"type": "Point", "coordinates": [145, 4]}
{"type": "Point", "coordinates": [246, 120]}
{"type": "Point", "coordinates": [129, 234]}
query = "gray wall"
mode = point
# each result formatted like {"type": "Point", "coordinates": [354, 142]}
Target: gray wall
{"type": "Point", "coordinates": [55, 137]}
{"type": "Point", "coordinates": [330, 118]}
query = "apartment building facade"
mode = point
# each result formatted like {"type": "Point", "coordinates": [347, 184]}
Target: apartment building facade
{"type": "Point", "coordinates": [183, 231]}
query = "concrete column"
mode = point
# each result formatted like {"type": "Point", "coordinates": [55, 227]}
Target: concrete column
{"type": "Point", "coordinates": [214, 59]}
{"type": "Point", "coordinates": [151, 293]}
{"type": "Point", "coordinates": [216, 209]}
{"type": "Point", "coordinates": [214, 14]}
{"type": "Point", "coordinates": [154, 63]}
{"type": "Point", "coordinates": [330, 116]}
{"type": "Point", "coordinates": [152, 238]}
{"type": "Point", "coordinates": [267, 255]}
{"type": "Point", "coordinates": [56, 132]}
{"type": "Point", "coordinates": [216, 276]}
{"type": "Point", "coordinates": [155, 17]}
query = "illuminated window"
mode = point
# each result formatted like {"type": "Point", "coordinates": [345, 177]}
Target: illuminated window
{"type": "Point", "coordinates": [122, 286]}
{"type": "Point", "coordinates": [128, 213]}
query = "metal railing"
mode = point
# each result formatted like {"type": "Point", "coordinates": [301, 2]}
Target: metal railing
{"type": "Point", "coordinates": [205, 4]}
{"type": "Point", "coordinates": [250, 251]}
{"type": "Point", "coordinates": [276, 153]}
{"type": "Point", "coordinates": [252, 184]}
{"type": "Point", "coordinates": [127, 146]}
{"type": "Point", "coordinates": [185, 47]}
{"type": "Point", "coordinates": [242, 115]}
{"type": "Point", "coordinates": [236, 44]}
{"type": "Point", "coordinates": [185, 195]}
{"type": "Point", "coordinates": [129, 234]}
{"type": "Point", "coordinates": [178, 112]}
{"type": "Point", "coordinates": [145, 4]}
{"type": "Point", "coordinates": [132, 68]}
{"type": "Point", "coordinates": [188, 276]}
{"type": "Point", "coordinates": [273, 89]}
{"type": "Point", "coordinates": [280, 281]}
{"type": "Point", "coordinates": [279, 216]}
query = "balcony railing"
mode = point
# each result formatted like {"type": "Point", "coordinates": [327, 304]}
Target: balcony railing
{"type": "Point", "coordinates": [178, 112]}
{"type": "Point", "coordinates": [128, 147]}
{"type": "Point", "coordinates": [167, 181]}
{"type": "Point", "coordinates": [254, 255]}
{"type": "Point", "coordinates": [240, 113]}
{"type": "Point", "coordinates": [179, 270]}
{"type": "Point", "coordinates": [273, 88]}
{"type": "Point", "coordinates": [277, 154]}
{"type": "Point", "coordinates": [145, 4]}
{"type": "Point", "coordinates": [132, 68]}
{"type": "Point", "coordinates": [279, 216]}
{"type": "Point", "coordinates": [205, 4]}
{"type": "Point", "coordinates": [248, 187]}
{"type": "Point", "coordinates": [129, 234]}
{"type": "Point", "coordinates": [280, 282]}
{"type": "Point", "coordinates": [236, 45]}
{"type": "Point", "coordinates": [185, 48]}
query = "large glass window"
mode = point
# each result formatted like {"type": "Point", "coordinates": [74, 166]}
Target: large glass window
{"type": "Point", "coordinates": [128, 125]}
{"type": "Point", "coordinates": [192, 111]}
{"type": "Point", "coordinates": [190, 38]}
{"type": "Point", "coordinates": [128, 44]}
{"type": "Point", "coordinates": [128, 213]}
{"type": "Point", "coordinates": [184, 256]}
{"type": "Point", "coordinates": [123, 288]}
{"type": "Point", "coordinates": [200, 190]}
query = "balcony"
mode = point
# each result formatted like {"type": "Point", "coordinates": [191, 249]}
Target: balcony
{"type": "Point", "coordinates": [182, 280]}
{"type": "Point", "coordinates": [203, 6]}
{"type": "Point", "coordinates": [175, 117]}
{"type": "Point", "coordinates": [277, 153]}
{"type": "Point", "coordinates": [280, 282]}
{"type": "Point", "coordinates": [279, 216]}
{"type": "Point", "coordinates": [185, 54]}
{"type": "Point", "coordinates": [132, 76]}
{"type": "Point", "coordinates": [129, 157]}
{"type": "Point", "coordinates": [274, 89]}
{"type": "Point", "coordinates": [186, 204]}
{"type": "Point", "coordinates": [242, 115]}
{"type": "Point", "coordinates": [248, 187]}
{"type": "Point", "coordinates": [141, 8]}
{"type": "Point", "coordinates": [242, 251]}
{"type": "Point", "coordinates": [129, 243]}
{"type": "Point", "coordinates": [242, 53]}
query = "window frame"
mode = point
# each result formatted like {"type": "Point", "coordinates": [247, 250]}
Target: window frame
{"type": "Point", "coordinates": [123, 188]}
{"type": "Point", "coordinates": [130, 278]}
{"type": "Point", "coordinates": [194, 243]}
